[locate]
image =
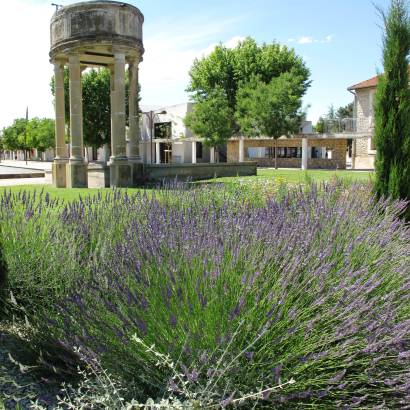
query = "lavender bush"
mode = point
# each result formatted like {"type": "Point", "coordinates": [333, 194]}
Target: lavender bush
{"type": "Point", "coordinates": [240, 296]}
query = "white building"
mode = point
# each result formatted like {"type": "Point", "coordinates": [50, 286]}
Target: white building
{"type": "Point", "coordinates": [166, 139]}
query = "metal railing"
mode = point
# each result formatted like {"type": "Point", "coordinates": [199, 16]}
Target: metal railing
{"type": "Point", "coordinates": [340, 125]}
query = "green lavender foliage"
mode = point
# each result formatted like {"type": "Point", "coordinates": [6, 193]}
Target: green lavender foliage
{"type": "Point", "coordinates": [241, 295]}
{"type": "Point", "coordinates": [392, 107]}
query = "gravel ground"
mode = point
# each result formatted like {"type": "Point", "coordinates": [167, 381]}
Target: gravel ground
{"type": "Point", "coordinates": [19, 385]}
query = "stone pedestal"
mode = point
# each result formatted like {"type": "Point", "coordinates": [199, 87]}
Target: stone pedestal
{"type": "Point", "coordinates": [98, 176]}
{"type": "Point", "coordinates": [137, 172]}
{"type": "Point", "coordinates": [59, 169]}
{"type": "Point", "coordinates": [77, 174]}
{"type": "Point", "coordinates": [120, 173]}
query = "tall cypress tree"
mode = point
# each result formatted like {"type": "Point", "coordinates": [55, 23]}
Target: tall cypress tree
{"type": "Point", "coordinates": [392, 106]}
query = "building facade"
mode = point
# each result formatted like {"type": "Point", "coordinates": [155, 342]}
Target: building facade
{"type": "Point", "coordinates": [363, 149]}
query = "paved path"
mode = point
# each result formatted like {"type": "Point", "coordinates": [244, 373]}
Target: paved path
{"type": "Point", "coordinates": [24, 181]}
{"type": "Point", "coordinates": [6, 170]}
{"type": "Point", "coordinates": [33, 165]}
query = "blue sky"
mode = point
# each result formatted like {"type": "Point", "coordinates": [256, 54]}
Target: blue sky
{"type": "Point", "coordinates": [340, 40]}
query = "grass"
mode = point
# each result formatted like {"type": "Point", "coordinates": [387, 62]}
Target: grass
{"type": "Point", "coordinates": [282, 176]}
{"type": "Point", "coordinates": [298, 176]}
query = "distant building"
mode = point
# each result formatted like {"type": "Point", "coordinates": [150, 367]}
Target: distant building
{"type": "Point", "coordinates": [363, 149]}
{"type": "Point", "coordinates": [165, 138]}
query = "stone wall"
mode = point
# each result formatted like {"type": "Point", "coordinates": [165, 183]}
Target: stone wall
{"type": "Point", "coordinates": [363, 159]}
{"type": "Point", "coordinates": [364, 109]}
{"type": "Point", "coordinates": [362, 146]}
{"type": "Point", "coordinates": [198, 171]}
{"type": "Point", "coordinates": [338, 147]}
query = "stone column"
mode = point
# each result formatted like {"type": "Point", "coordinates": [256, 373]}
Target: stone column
{"type": "Point", "coordinates": [134, 131]}
{"type": "Point", "coordinates": [134, 137]}
{"type": "Point", "coordinates": [157, 153]}
{"type": "Point", "coordinates": [118, 142]}
{"type": "Point", "coordinates": [354, 154]}
{"type": "Point", "coordinates": [193, 152]}
{"type": "Point", "coordinates": [120, 171]}
{"type": "Point", "coordinates": [241, 149]}
{"type": "Point", "coordinates": [212, 155]}
{"type": "Point", "coordinates": [76, 168]}
{"type": "Point", "coordinates": [304, 153]}
{"type": "Point", "coordinates": [60, 160]}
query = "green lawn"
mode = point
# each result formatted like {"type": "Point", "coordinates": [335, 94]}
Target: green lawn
{"type": "Point", "coordinates": [298, 176]}
{"type": "Point", "coordinates": [264, 174]}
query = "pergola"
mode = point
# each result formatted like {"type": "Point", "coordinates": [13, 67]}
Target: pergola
{"type": "Point", "coordinates": [97, 34]}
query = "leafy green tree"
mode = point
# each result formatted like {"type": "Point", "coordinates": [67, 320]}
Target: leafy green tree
{"type": "Point", "coordinates": [331, 112]}
{"type": "Point", "coordinates": [392, 106]}
{"type": "Point", "coordinates": [273, 109]}
{"type": "Point", "coordinates": [211, 118]}
{"type": "Point", "coordinates": [320, 125]}
{"type": "Point", "coordinates": [231, 69]}
{"type": "Point", "coordinates": [41, 133]}
{"type": "Point", "coordinates": [14, 136]}
{"type": "Point", "coordinates": [96, 105]}
{"type": "Point", "coordinates": [345, 111]}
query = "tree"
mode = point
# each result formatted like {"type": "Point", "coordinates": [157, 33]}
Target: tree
{"type": "Point", "coordinates": [41, 133]}
{"type": "Point", "coordinates": [272, 109]}
{"type": "Point", "coordinates": [231, 69]}
{"type": "Point", "coordinates": [14, 136]}
{"type": "Point", "coordinates": [211, 118]}
{"type": "Point", "coordinates": [345, 111]}
{"type": "Point", "coordinates": [96, 105]}
{"type": "Point", "coordinates": [320, 125]}
{"type": "Point", "coordinates": [392, 107]}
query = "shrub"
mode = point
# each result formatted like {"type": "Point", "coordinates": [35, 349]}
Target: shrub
{"type": "Point", "coordinates": [240, 297]}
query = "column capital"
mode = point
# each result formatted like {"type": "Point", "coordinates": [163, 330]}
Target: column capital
{"type": "Point", "coordinates": [132, 61]}
{"type": "Point", "coordinates": [61, 62]}
{"type": "Point", "coordinates": [119, 55]}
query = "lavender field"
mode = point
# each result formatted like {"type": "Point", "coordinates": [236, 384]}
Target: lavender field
{"type": "Point", "coordinates": [213, 298]}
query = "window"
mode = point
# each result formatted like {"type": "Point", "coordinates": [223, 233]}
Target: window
{"type": "Point", "coordinates": [270, 152]}
{"type": "Point", "coordinates": [162, 130]}
{"type": "Point", "coordinates": [199, 150]}
{"type": "Point", "coordinates": [281, 152]}
{"type": "Point", "coordinates": [257, 152]}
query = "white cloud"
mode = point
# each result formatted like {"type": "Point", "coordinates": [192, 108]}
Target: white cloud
{"type": "Point", "coordinates": [231, 43]}
{"type": "Point", "coordinates": [311, 40]}
{"type": "Point", "coordinates": [306, 40]}
{"type": "Point", "coordinates": [169, 54]}
{"type": "Point", "coordinates": [171, 47]}
{"type": "Point", "coordinates": [328, 39]}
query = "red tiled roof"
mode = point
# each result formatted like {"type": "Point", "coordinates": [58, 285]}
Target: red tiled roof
{"type": "Point", "coordinates": [370, 83]}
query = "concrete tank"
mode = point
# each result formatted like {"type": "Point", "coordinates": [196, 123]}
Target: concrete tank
{"type": "Point", "coordinates": [98, 25]}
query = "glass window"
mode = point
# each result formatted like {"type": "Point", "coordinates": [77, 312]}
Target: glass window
{"type": "Point", "coordinates": [199, 150]}
{"type": "Point", "coordinates": [257, 152]}
{"type": "Point", "coordinates": [162, 130]}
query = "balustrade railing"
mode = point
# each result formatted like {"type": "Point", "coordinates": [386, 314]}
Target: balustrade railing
{"type": "Point", "coordinates": [340, 125]}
